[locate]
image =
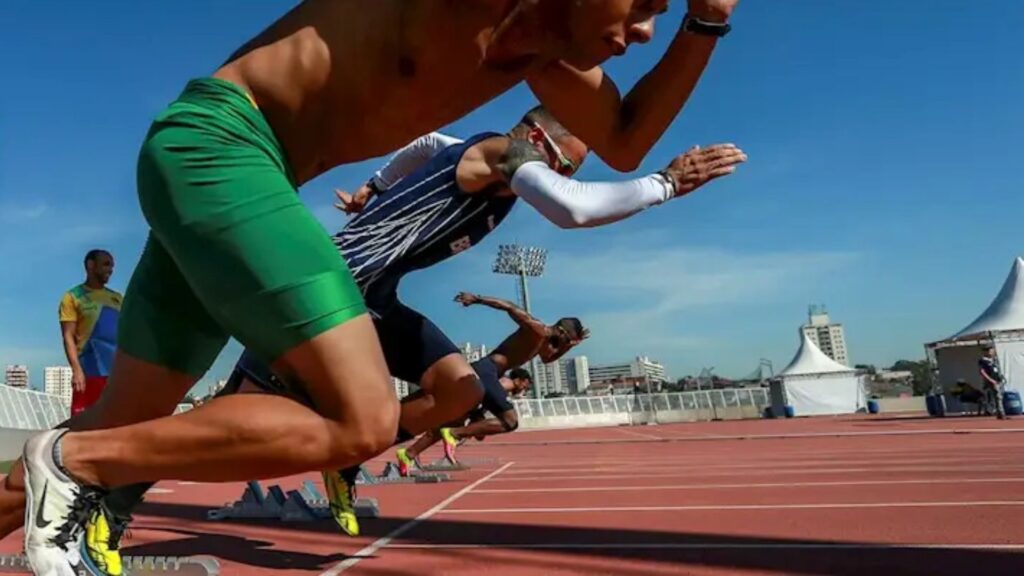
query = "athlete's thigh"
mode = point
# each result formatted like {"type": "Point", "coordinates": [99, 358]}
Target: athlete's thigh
{"type": "Point", "coordinates": [344, 374]}
{"type": "Point", "coordinates": [218, 198]}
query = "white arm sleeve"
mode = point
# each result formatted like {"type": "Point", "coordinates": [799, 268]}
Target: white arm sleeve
{"type": "Point", "coordinates": [568, 203]}
{"type": "Point", "coordinates": [411, 157]}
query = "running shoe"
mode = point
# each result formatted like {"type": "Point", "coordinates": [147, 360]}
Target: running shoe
{"type": "Point", "coordinates": [57, 511]}
{"type": "Point", "coordinates": [450, 444]}
{"type": "Point", "coordinates": [341, 493]}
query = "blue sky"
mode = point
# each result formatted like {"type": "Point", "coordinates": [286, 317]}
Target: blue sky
{"type": "Point", "coordinates": [881, 137]}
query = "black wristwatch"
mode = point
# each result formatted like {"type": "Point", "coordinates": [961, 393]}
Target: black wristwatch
{"type": "Point", "coordinates": [372, 185]}
{"type": "Point", "coordinates": [704, 28]}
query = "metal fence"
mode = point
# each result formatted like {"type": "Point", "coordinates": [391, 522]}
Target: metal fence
{"type": "Point", "coordinates": [706, 401]}
{"type": "Point", "coordinates": [30, 410]}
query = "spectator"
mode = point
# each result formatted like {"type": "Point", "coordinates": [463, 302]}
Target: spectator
{"type": "Point", "coordinates": [992, 380]}
{"type": "Point", "coordinates": [88, 322]}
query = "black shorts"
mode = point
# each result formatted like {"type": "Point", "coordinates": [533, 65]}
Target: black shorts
{"type": "Point", "coordinates": [411, 344]}
{"type": "Point", "coordinates": [495, 397]}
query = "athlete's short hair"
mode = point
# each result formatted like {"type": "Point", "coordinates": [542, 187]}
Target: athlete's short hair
{"type": "Point", "coordinates": [520, 374]}
{"type": "Point", "coordinates": [572, 326]}
{"type": "Point", "coordinates": [540, 116]}
{"type": "Point", "coordinates": [94, 255]}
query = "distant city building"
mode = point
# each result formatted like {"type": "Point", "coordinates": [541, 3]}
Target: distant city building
{"type": "Point", "coordinates": [57, 382]}
{"type": "Point", "coordinates": [577, 374]}
{"type": "Point", "coordinates": [624, 385]}
{"type": "Point", "coordinates": [218, 386]}
{"type": "Point", "coordinates": [16, 376]}
{"type": "Point", "coordinates": [473, 353]}
{"type": "Point", "coordinates": [549, 379]}
{"type": "Point", "coordinates": [827, 335]}
{"type": "Point", "coordinates": [640, 367]}
{"type": "Point", "coordinates": [401, 387]}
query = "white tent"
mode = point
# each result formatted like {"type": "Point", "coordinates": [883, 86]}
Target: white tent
{"type": "Point", "coordinates": [814, 384]}
{"type": "Point", "coordinates": [1001, 325]}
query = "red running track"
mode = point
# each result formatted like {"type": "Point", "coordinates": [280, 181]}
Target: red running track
{"type": "Point", "coordinates": [842, 496]}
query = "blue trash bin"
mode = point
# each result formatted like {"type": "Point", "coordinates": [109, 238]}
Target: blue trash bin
{"type": "Point", "coordinates": [1012, 403]}
{"type": "Point", "coordinates": [929, 402]}
{"type": "Point", "coordinates": [790, 412]}
{"type": "Point", "coordinates": [940, 405]}
{"type": "Point", "coordinates": [873, 407]}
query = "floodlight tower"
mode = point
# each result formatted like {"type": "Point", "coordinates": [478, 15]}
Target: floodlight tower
{"type": "Point", "coordinates": [524, 262]}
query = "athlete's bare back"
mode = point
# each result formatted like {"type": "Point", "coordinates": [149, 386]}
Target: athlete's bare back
{"type": "Point", "coordinates": [345, 80]}
{"type": "Point", "coordinates": [336, 89]}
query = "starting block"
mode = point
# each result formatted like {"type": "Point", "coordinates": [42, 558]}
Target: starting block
{"type": "Point", "coordinates": [303, 505]}
{"type": "Point", "coordinates": [135, 565]}
{"type": "Point", "coordinates": [443, 465]}
{"type": "Point", "coordinates": [391, 475]}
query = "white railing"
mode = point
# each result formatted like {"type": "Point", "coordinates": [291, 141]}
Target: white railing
{"type": "Point", "coordinates": [30, 410]}
{"type": "Point", "coordinates": [703, 405]}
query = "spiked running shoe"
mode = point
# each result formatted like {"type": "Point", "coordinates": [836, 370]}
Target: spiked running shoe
{"type": "Point", "coordinates": [57, 511]}
{"type": "Point", "coordinates": [341, 493]}
{"type": "Point", "coordinates": [450, 444]}
{"type": "Point", "coordinates": [102, 541]}
{"type": "Point", "coordinates": [405, 463]}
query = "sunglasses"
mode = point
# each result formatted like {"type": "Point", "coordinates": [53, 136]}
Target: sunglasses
{"type": "Point", "coordinates": [559, 340]}
{"type": "Point", "coordinates": [565, 166]}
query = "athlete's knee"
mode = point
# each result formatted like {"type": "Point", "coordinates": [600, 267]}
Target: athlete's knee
{"type": "Point", "coordinates": [510, 421]}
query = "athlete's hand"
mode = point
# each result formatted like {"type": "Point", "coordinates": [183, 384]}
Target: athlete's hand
{"type": "Point", "coordinates": [698, 166]}
{"type": "Point", "coordinates": [712, 10]}
{"type": "Point", "coordinates": [353, 203]}
{"type": "Point", "coordinates": [467, 298]}
{"type": "Point", "coordinates": [78, 380]}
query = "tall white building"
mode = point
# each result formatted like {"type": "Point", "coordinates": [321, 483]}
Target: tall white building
{"type": "Point", "coordinates": [57, 382]}
{"type": "Point", "coordinates": [577, 374]}
{"type": "Point", "coordinates": [640, 367]}
{"type": "Point", "coordinates": [401, 387]}
{"type": "Point", "coordinates": [473, 353]}
{"type": "Point", "coordinates": [16, 376]}
{"type": "Point", "coordinates": [828, 336]}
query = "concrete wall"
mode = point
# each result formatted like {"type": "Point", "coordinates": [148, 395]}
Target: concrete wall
{"type": "Point", "coordinates": [911, 404]}
{"type": "Point", "coordinates": [12, 441]}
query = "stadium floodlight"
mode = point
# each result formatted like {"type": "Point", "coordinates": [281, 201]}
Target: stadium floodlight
{"type": "Point", "coordinates": [524, 262]}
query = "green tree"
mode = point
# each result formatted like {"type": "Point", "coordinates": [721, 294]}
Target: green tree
{"type": "Point", "coordinates": [921, 372]}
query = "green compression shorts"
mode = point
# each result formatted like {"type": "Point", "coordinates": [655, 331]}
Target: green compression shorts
{"type": "Point", "coordinates": [232, 252]}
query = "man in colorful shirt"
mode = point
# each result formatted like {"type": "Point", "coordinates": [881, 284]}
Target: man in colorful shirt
{"type": "Point", "coordinates": [88, 323]}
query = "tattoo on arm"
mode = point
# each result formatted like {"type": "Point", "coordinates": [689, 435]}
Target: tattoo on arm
{"type": "Point", "coordinates": [519, 152]}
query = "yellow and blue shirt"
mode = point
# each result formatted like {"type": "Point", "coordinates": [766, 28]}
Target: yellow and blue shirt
{"type": "Point", "coordinates": [95, 313]}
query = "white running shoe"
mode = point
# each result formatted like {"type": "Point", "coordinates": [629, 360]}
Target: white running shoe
{"type": "Point", "coordinates": [56, 511]}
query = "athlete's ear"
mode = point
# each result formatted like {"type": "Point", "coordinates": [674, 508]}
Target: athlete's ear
{"type": "Point", "coordinates": [536, 137]}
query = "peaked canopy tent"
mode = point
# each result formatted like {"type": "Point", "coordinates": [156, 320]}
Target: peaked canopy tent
{"type": "Point", "coordinates": [1001, 325]}
{"type": "Point", "coordinates": [814, 384]}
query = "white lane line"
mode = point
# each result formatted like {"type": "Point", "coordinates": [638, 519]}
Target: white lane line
{"type": "Point", "coordinates": [386, 540]}
{"type": "Point", "coordinates": [713, 546]}
{"type": "Point", "coordinates": [639, 434]}
{"type": "Point", "coordinates": [765, 472]}
{"type": "Point", "coordinates": [755, 485]}
{"type": "Point", "coordinates": [904, 504]}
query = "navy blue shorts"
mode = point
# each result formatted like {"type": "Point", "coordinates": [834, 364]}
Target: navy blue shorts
{"type": "Point", "coordinates": [495, 397]}
{"type": "Point", "coordinates": [411, 344]}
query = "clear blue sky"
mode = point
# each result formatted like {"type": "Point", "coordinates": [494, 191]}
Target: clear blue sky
{"type": "Point", "coordinates": [881, 136]}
